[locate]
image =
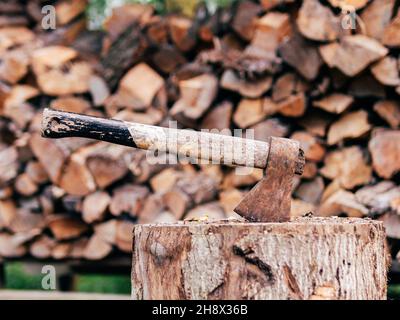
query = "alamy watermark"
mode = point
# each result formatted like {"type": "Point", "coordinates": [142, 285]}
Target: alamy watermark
{"type": "Point", "coordinates": [49, 280]}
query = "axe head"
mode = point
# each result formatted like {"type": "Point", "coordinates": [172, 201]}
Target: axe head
{"type": "Point", "coordinates": [270, 198]}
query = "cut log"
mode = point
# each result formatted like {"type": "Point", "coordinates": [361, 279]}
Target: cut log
{"type": "Point", "coordinates": [384, 147]}
{"type": "Point", "coordinates": [348, 166]}
{"type": "Point", "coordinates": [94, 206]}
{"type": "Point", "coordinates": [8, 165]}
{"type": "Point", "coordinates": [302, 56]}
{"type": "Point", "coordinates": [219, 117]}
{"type": "Point", "coordinates": [245, 19]}
{"type": "Point", "coordinates": [270, 128]}
{"type": "Point", "coordinates": [36, 172]}
{"type": "Point", "coordinates": [293, 106]}
{"type": "Point", "coordinates": [197, 94]}
{"type": "Point", "coordinates": [128, 199]}
{"type": "Point", "coordinates": [335, 103]}
{"type": "Point", "coordinates": [311, 191]}
{"type": "Point", "coordinates": [99, 90]}
{"type": "Point", "coordinates": [249, 112]}
{"type": "Point", "coordinates": [386, 71]}
{"type": "Point", "coordinates": [249, 89]}
{"type": "Point", "coordinates": [229, 199]}
{"type": "Point", "coordinates": [351, 125]}
{"type": "Point", "coordinates": [301, 208]}
{"type": "Point", "coordinates": [391, 35]}
{"type": "Point", "coordinates": [42, 247]}
{"type": "Point", "coordinates": [65, 228]}
{"type": "Point", "coordinates": [352, 54]}
{"type": "Point", "coordinates": [379, 198]}
{"type": "Point", "coordinates": [389, 110]}
{"type": "Point", "coordinates": [271, 30]}
{"type": "Point", "coordinates": [342, 202]}
{"type": "Point", "coordinates": [376, 17]}
{"type": "Point", "coordinates": [313, 149]}
{"type": "Point", "coordinates": [165, 180]}
{"type": "Point", "coordinates": [67, 10]}
{"type": "Point", "coordinates": [97, 249]}
{"type": "Point", "coordinates": [208, 265]}
{"type": "Point", "coordinates": [70, 104]}
{"type": "Point", "coordinates": [317, 22]}
{"type": "Point", "coordinates": [25, 185]}
{"type": "Point", "coordinates": [138, 87]}
{"type": "Point", "coordinates": [107, 163]}
{"type": "Point", "coordinates": [182, 32]}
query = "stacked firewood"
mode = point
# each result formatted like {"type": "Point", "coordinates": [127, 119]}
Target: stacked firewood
{"type": "Point", "coordinates": [280, 67]}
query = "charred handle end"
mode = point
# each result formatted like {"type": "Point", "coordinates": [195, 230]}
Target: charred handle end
{"type": "Point", "coordinates": [54, 124]}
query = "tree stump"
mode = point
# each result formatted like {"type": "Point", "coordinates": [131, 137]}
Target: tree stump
{"type": "Point", "coordinates": [308, 258]}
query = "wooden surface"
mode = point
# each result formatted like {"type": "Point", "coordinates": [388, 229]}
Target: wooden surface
{"type": "Point", "coordinates": [309, 258]}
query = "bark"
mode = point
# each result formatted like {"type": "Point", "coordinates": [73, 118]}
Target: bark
{"type": "Point", "coordinates": [302, 259]}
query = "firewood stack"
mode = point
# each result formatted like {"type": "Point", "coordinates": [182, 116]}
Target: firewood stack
{"type": "Point", "coordinates": [282, 68]}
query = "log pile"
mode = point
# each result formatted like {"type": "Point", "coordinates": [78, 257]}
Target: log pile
{"type": "Point", "coordinates": [282, 68]}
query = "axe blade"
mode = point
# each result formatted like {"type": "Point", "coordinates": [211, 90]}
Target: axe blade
{"type": "Point", "coordinates": [270, 198]}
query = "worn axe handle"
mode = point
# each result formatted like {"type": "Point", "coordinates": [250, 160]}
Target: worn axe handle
{"type": "Point", "coordinates": [200, 145]}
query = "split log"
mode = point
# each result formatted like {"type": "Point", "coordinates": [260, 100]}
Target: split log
{"type": "Point", "coordinates": [341, 202]}
{"type": "Point", "coordinates": [249, 112]}
{"type": "Point", "coordinates": [348, 166]}
{"type": "Point", "coordinates": [64, 227]}
{"type": "Point", "coordinates": [391, 34]}
{"type": "Point", "coordinates": [138, 87]}
{"type": "Point", "coordinates": [197, 94]}
{"type": "Point", "coordinates": [96, 248]}
{"type": "Point", "coordinates": [219, 117]}
{"type": "Point", "coordinates": [67, 10]}
{"type": "Point", "coordinates": [128, 199]}
{"type": "Point", "coordinates": [302, 56]}
{"type": "Point", "coordinates": [385, 151]}
{"type": "Point", "coordinates": [317, 22]}
{"type": "Point", "coordinates": [94, 206]}
{"type": "Point", "coordinates": [351, 125]}
{"type": "Point", "coordinates": [386, 71]}
{"type": "Point", "coordinates": [335, 103]}
{"type": "Point", "coordinates": [389, 110]}
{"type": "Point", "coordinates": [245, 17]}
{"type": "Point", "coordinates": [209, 266]}
{"type": "Point", "coordinates": [379, 198]}
{"type": "Point", "coordinates": [249, 89]}
{"type": "Point", "coordinates": [353, 53]}
{"type": "Point", "coordinates": [313, 149]}
{"type": "Point", "coordinates": [311, 191]}
{"type": "Point", "coordinates": [376, 17]}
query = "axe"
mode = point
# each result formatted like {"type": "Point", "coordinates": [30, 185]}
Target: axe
{"type": "Point", "coordinates": [268, 201]}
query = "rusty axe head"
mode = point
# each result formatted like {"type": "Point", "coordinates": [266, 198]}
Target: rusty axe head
{"type": "Point", "coordinates": [270, 198]}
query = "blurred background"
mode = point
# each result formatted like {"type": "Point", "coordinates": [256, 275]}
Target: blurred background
{"type": "Point", "coordinates": [325, 73]}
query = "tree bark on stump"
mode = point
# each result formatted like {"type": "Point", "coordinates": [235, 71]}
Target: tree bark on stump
{"type": "Point", "coordinates": [308, 258]}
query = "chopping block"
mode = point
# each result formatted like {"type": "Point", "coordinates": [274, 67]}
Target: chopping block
{"type": "Point", "coordinates": [264, 256]}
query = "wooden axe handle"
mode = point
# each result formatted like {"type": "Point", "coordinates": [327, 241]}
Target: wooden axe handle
{"type": "Point", "coordinates": [223, 149]}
